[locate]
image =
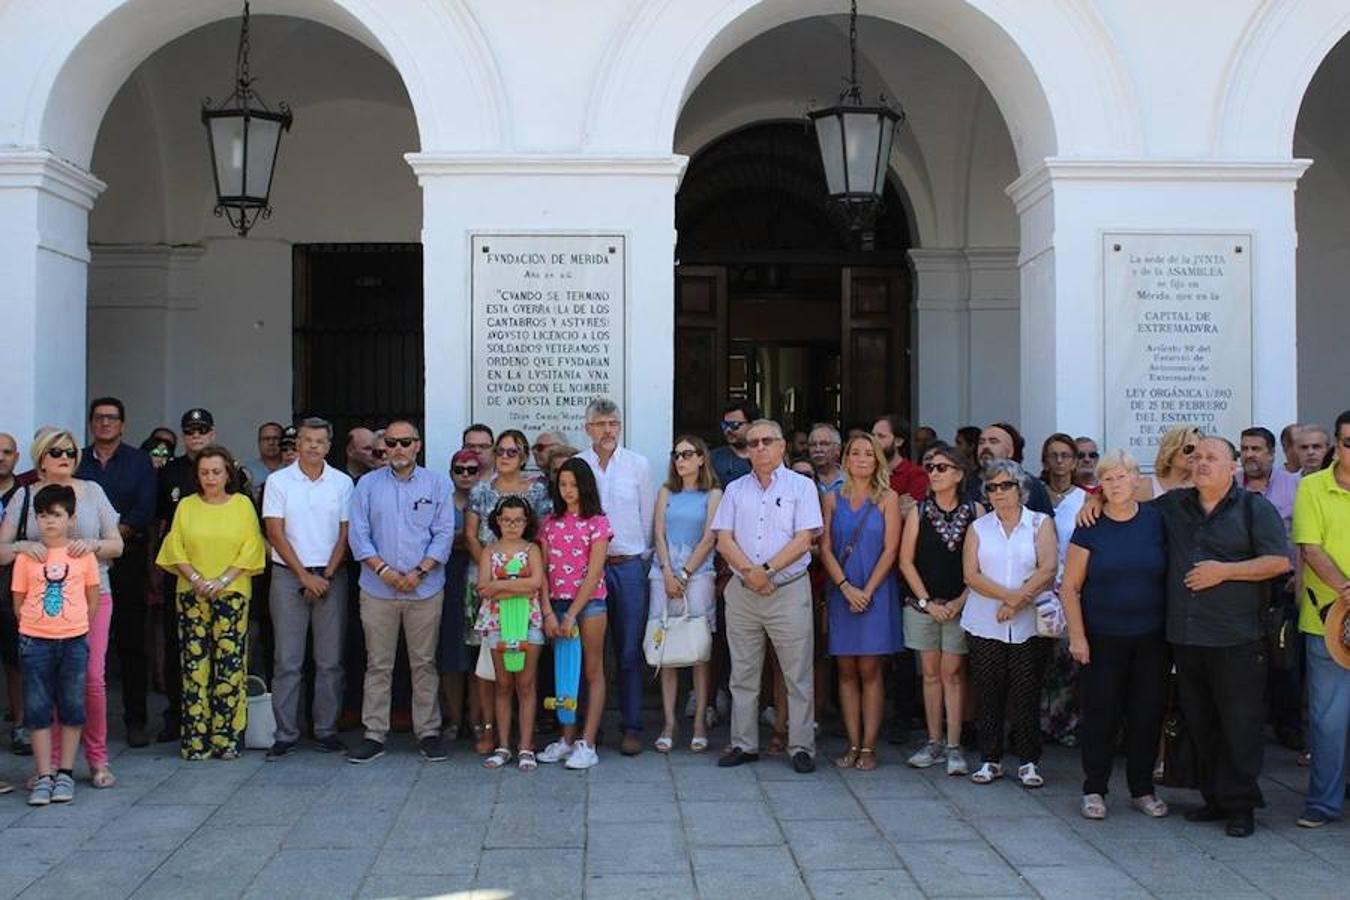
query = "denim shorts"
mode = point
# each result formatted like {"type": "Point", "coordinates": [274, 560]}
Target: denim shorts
{"type": "Point", "coordinates": [53, 677]}
{"type": "Point", "coordinates": [596, 606]}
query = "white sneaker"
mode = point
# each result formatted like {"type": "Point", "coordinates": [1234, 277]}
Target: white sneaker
{"type": "Point", "coordinates": [766, 717]}
{"type": "Point", "coordinates": [930, 754]}
{"type": "Point", "coordinates": [557, 751]}
{"type": "Point", "coordinates": [956, 761]}
{"type": "Point", "coordinates": [689, 706]}
{"type": "Point", "coordinates": [583, 756]}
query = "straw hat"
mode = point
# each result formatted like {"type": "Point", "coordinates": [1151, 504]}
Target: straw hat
{"type": "Point", "coordinates": [1338, 632]}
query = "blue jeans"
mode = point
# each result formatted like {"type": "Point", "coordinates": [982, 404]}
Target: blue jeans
{"type": "Point", "coordinates": [1328, 728]}
{"type": "Point", "coordinates": [53, 676]}
{"type": "Point", "coordinates": [626, 584]}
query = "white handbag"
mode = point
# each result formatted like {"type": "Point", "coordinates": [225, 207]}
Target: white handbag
{"type": "Point", "coordinates": [262, 722]}
{"type": "Point", "coordinates": [674, 642]}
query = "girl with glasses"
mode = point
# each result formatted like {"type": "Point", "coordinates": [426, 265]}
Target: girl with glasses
{"type": "Point", "coordinates": [682, 570]}
{"type": "Point", "coordinates": [931, 549]}
{"type": "Point", "coordinates": [509, 451]}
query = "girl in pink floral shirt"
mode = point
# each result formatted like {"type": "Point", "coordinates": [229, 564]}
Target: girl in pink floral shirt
{"type": "Point", "coordinates": [575, 540]}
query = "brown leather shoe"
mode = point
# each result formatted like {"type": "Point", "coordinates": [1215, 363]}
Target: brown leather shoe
{"type": "Point", "coordinates": [631, 745]}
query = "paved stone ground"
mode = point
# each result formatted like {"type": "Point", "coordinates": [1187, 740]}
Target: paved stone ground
{"type": "Point", "coordinates": [648, 827]}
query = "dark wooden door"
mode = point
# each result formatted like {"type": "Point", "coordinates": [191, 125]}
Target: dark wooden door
{"type": "Point", "coordinates": [357, 335]}
{"type": "Point", "coordinates": [874, 342]}
{"type": "Point", "coordinates": [700, 350]}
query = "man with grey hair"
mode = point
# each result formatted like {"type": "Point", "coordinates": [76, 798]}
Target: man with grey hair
{"type": "Point", "coordinates": [627, 496]}
{"type": "Point", "coordinates": [304, 513]}
{"type": "Point", "coordinates": [402, 525]}
{"type": "Point", "coordinates": [1312, 443]}
{"type": "Point", "coordinates": [823, 445]}
{"type": "Point", "coordinates": [765, 525]}
{"type": "Point", "coordinates": [546, 441]}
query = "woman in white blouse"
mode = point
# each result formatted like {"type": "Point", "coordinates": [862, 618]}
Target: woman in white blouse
{"type": "Point", "coordinates": [1010, 557]}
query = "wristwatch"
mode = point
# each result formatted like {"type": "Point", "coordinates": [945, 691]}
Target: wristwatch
{"type": "Point", "coordinates": [922, 603]}
{"type": "Point", "coordinates": [769, 570]}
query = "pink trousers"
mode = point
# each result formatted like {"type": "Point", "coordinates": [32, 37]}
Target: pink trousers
{"type": "Point", "coordinates": [95, 736]}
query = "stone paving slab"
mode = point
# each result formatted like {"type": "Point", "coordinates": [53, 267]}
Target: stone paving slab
{"type": "Point", "coordinates": [649, 827]}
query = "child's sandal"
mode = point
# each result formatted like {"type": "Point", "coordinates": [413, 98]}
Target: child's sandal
{"type": "Point", "coordinates": [527, 761]}
{"type": "Point", "coordinates": [500, 757]}
{"type": "Point", "coordinates": [848, 760]}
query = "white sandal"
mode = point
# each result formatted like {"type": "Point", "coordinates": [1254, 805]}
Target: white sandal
{"type": "Point", "coordinates": [527, 761]}
{"type": "Point", "coordinates": [1093, 807]}
{"type": "Point", "coordinates": [664, 743]}
{"type": "Point", "coordinates": [1030, 775]}
{"type": "Point", "coordinates": [987, 772]}
{"type": "Point", "coordinates": [498, 758]}
{"type": "Point", "coordinates": [1151, 805]}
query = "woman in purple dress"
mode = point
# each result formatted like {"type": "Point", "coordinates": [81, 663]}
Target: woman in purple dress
{"type": "Point", "coordinates": [858, 549]}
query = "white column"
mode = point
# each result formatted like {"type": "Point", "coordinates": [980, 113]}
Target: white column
{"type": "Point", "coordinates": [44, 257]}
{"type": "Point", "coordinates": [995, 355]}
{"type": "Point", "coordinates": [1067, 205]}
{"type": "Point", "coordinates": [941, 338]}
{"type": "Point", "coordinates": [635, 196]}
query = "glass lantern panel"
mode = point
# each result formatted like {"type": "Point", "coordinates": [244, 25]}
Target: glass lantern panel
{"type": "Point", "coordinates": [862, 131]}
{"type": "Point", "coordinates": [831, 140]}
{"type": "Point", "coordinates": [263, 137]}
{"type": "Point", "coordinates": [227, 148]}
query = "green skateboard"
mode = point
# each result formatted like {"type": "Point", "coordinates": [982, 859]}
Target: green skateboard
{"type": "Point", "coordinates": [514, 613]}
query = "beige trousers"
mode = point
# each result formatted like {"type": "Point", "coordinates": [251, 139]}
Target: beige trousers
{"type": "Point", "coordinates": [420, 621]}
{"type": "Point", "coordinates": [785, 618]}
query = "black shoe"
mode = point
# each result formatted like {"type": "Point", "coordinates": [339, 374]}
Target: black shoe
{"type": "Point", "coordinates": [137, 736]}
{"type": "Point", "coordinates": [171, 731]}
{"type": "Point", "coordinates": [735, 757]}
{"type": "Point", "coordinates": [366, 751]}
{"type": "Point", "coordinates": [330, 744]}
{"type": "Point", "coordinates": [432, 748]}
{"type": "Point", "coordinates": [1240, 824]}
{"type": "Point", "coordinates": [1205, 813]}
{"type": "Point", "coordinates": [803, 763]}
{"type": "Point", "coordinates": [279, 749]}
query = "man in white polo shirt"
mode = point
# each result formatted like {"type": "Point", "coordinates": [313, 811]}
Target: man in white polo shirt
{"type": "Point", "coordinates": [765, 525]}
{"type": "Point", "coordinates": [625, 483]}
{"type": "Point", "coordinates": [305, 513]}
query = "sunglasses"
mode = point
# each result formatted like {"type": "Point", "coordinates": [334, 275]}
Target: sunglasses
{"type": "Point", "coordinates": [464, 470]}
{"type": "Point", "coordinates": [684, 454]}
{"type": "Point", "coordinates": [405, 443]}
{"type": "Point", "coordinates": [731, 424]}
{"type": "Point", "coordinates": [1188, 449]}
{"type": "Point", "coordinates": [196, 430]}
{"type": "Point", "coordinates": [939, 468]}
{"type": "Point", "coordinates": [998, 487]}
{"type": "Point", "coordinates": [540, 448]}
{"type": "Point", "coordinates": [1086, 454]}
{"type": "Point", "coordinates": [756, 443]}
{"type": "Point", "coordinates": [67, 452]}
{"type": "Point", "coordinates": [507, 452]}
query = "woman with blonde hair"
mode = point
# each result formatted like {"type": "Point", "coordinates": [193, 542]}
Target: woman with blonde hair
{"type": "Point", "coordinates": [682, 569]}
{"type": "Point", "coordinates": [858, 549]}
{"type": "Point", "coordinates": [1172, 467]}
{"type": "Point", "coordinates": [56, 456]}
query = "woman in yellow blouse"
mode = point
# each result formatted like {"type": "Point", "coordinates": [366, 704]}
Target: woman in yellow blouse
{"type": "Point", "coordinates": [215, 546]}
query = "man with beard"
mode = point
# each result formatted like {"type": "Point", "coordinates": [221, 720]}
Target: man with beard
{"type": "Point", "coordinates": [908, 478]}
{"type": "Point", "coordinates": [732, 460]}
{"type": "Point", "coordinates": [1003, 441]}
{"type": "Point", "coordinates": [824, 444]}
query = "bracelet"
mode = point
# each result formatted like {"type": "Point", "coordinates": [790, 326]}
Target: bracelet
{"type": "Point", "coordinates": [840, 583]}
{"type": "Point", "coordinates": [384, 567]}
{"type": "Point", "coordinates": [194, 578]}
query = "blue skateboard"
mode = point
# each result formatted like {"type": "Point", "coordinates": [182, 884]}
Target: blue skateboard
{"type": "Point", "coordinates": [566, 677]}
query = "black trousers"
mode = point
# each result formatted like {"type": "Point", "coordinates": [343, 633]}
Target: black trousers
{"type": "Point", "coordinates": [173, 666]}
{"type": "Point", "coordinates": [1007, 680]}
{"type": "Point", "coordinates": [129, 578]}
{"type": "Point", "coordinates": [1222, 692]}
{"type": "Point", "coordinates": [1126, 678]}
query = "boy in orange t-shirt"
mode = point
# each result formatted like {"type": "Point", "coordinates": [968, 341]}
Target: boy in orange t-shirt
{"type": "Point", "coordinates": [55, 598]}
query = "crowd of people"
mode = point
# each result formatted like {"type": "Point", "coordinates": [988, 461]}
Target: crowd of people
{"type": "Point", "coordinates": [1086, 604]}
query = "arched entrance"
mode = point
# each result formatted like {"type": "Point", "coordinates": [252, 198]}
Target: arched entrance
{"type": "Point", "coordinates": [776, 297]}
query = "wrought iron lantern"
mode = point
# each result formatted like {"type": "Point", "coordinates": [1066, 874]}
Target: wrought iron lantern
{"type": "Point", "coordinates": [244, 135]}
{"type": "Point", "coordinates": [855, 144]}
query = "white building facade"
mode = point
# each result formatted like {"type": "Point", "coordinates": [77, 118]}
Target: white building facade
{"type": "Point", "coordinates": [1037, 132]}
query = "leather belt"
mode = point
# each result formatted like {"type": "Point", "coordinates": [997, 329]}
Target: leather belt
{"type": "Point", "coordinates": [615, 559]}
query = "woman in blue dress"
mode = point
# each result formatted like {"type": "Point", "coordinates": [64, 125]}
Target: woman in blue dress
{"type": "Point", "coordinates": [682, 576]}
{"type": "Point", "coordinates": [858, 549]}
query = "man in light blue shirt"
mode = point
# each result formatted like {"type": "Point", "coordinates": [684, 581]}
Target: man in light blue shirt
{"type": "Point", "coordinates": [402, 525]}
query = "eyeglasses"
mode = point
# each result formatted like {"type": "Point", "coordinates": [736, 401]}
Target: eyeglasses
{"type": "Point", "coordinates": [1187, 450]}
{"type": "Point", "coordinates": [196, 430]}
{"type": "Point", "coordinates": [503, 521]}
{"type": "Point", "coordinates": [1059, 457]}
{"type": "Point", "coordinates": [405, 443]}
{"type": "Point", "coordinates": [67, 452]}
{"type": "Point", "coordinates": [104, 418]}
{"type": "Point", "coordinates": [684, 454]}
{"type": "Point", "coordinates": [478, 447]}
{"type": "Point", "coordinates": [1088, 454]}
{"type": "Point", "coordinates": [766, 442]}
{"type": "Point", "coordinates": [996, 487]}
{"type": "Point", "coordinates": [507, 452]}
{"type": "Point", "coordinates": [939, 468]}
{"type": "Point", "coordinates": [731, 424]}
{"type": "Point", "coordinates": [463, 470]}
{"type": "Point", "coordinates": [1345, 442]}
